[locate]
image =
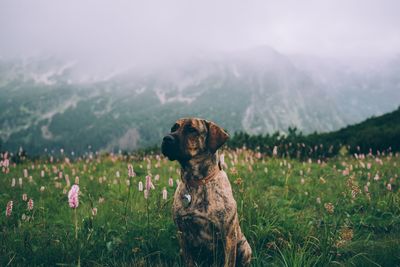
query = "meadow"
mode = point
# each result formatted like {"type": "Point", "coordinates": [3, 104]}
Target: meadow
{"type": "Point", "coordinates": [342, 211]}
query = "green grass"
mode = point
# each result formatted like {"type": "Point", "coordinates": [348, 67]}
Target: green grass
{"type": "Point", "coordinates": [276, 199]}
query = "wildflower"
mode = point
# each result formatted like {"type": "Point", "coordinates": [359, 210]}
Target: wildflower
{"type": "Point", "coordinates": [101, 200]}
{"type": "Point", "coordinates": [25, 173]}
{"type": "Point", "coordinates": [77, 180]}
{"type": "Point", "coordinates": [20, 182]}
{"type": "Point", "coordinates": [6, 163]}
{"type": "Point", "coordinates": [389, 187]}
{"type": "Point", "coordinates": [146, 194]}
{"type": "Point", "coordinates": [164, 193]}
{"type": "Point", "coordinates": [329, 207]}
{"type": "Point", "coordinates": [362, 164]}
{"type": "Point", "coordinates": [30, 204]}
{"type": "Point", "coordinates": [73, 196]}
{"type": "Point", "coordinates": [117, 174]}
{"type": "Point", "coordinates": [42, 173]}
{"type": "Point", "coordinates": [233, 171]}
{"type": "Point", "coordinates": [376, 178]}
{"type": "Point", "coordinates": [366, 188]}
{"type": "Point", "coordinates": [345, 235]}
{"type": "Point", "coordinates": [42, 188]}
{"type": "Point", "coordinates": [94, 211]}
{"type": "Point", "coordinates": [9, 208]}
{"type": "Point", "coordinates": [13, 182]}
{"type": "Point", "coordinates": [171, 182]}
{"type": "Point", "coordinates": [318, 200]}
{"type": "Point", "coordinates": [131, 173]}
{"type": "Point", "coordinates": [275, 151]}
{"type": "Point", "coordinates": [302, 181]}
{"type": "Point", "coordinates": [66, 177]}
{"type": "Point", "coordinates": [157, 177]}
{"type": "Point", "coordinates": [149, 184]}
{"type": "Point", "coordinates": [24, 197]}
{"type": "Point", "coordinates": [140, 186]}
{"type": "Point", "coordinates": [238, 181]}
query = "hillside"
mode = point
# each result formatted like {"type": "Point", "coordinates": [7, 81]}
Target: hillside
{"type": "Point", "coordinates": [380, 133]}
{"type": "Point", "coordinates": [376, 133]}
{"type": "Point", "coordinates": [49, 104]}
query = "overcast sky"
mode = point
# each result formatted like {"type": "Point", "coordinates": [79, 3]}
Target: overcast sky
{"type": "Point", "coordinates": [133, 31]}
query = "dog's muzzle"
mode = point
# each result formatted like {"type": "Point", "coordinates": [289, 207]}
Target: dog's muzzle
{"type": "Point", "coordinates": [169, 147]}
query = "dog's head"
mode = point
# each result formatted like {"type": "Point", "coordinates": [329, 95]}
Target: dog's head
{"type": "Point", "coordinates": [192, 137]}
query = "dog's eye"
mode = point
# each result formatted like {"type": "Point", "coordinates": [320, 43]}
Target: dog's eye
{"type": "Point", "coordinates": [175, 127]}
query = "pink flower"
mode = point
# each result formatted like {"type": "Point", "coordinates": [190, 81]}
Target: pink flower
{"type": "Point", "coordinates": [30, 204]}
{"type": "Point", "coordinates": [149, 183]}
{"type": "Point", "coordinates": [73, 196]}
{"type": "Point", "coordinates": [9, 208]}
{"type": "Point", "coordinates": [171, 182]}
{"type": "Point", "coordinates": [164, 194]}
{"type": "Point", "coordinates": [94, 211]}
{"type": "Point", "coordinates": [131, 173]}
{"type": "Point", "coordinates": [24, 197]}
{"type": "Point", "coordinates": [6, 163]}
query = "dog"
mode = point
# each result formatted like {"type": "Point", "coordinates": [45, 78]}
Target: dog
{"type": "Point", "coordinates": [204, 209]}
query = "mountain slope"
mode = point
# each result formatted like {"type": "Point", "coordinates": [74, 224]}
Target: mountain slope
{"type": "Point", "coordinates": [51, 104]}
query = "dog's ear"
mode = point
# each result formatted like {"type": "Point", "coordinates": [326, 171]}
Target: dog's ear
{"type": "Point", "coordinates": [216, 136]}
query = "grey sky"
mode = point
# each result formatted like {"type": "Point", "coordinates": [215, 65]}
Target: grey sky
{"type": "Point", "coordinates": [133, 31]}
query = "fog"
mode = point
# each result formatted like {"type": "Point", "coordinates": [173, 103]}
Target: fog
{"type": "Point", "coordinates": [129, 33]}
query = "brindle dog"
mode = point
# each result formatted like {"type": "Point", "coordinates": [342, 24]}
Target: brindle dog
{"type": "Point", "coordinates": [204, 209]}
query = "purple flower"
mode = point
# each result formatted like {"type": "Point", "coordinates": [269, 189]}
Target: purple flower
{"type": "Point", "coordinates": [73, 196]}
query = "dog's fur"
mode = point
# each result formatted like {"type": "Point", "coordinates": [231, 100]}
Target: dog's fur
{"type": "Point", "coordinates": [210, 221]}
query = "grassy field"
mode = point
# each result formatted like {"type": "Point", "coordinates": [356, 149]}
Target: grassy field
{"type": "Point", "coordinates": [343, 212]}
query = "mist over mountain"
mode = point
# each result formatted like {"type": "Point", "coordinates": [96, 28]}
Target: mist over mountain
{"type": "Point", "coordinates": [51, 103]}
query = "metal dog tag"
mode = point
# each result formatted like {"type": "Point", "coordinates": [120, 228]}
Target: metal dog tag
{"type": "Point", "coordinates": [186, 199]}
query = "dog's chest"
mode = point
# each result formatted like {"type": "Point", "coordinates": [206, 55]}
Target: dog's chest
{"type": "Point", "coordinates": [202, 219]}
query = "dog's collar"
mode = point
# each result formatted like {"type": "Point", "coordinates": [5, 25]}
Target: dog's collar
{"type": "Point", "coordinates": [206, 179]}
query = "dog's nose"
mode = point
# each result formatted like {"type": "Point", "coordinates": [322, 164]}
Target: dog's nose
{"type": "Point", "coordinates": [168, 139]}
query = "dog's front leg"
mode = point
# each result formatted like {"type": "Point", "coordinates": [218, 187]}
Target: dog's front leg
{"type": "Point", "coordinates": [230, 247]}
{"type": "Point", "coordinates": [187, 257]}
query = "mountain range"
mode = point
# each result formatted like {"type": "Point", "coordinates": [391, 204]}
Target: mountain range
{"type": "Point", "coordinates": [48, 104]}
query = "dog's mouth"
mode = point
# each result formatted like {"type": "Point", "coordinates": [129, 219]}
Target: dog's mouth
{"type": "Point", "coordinates": [169, 147]}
